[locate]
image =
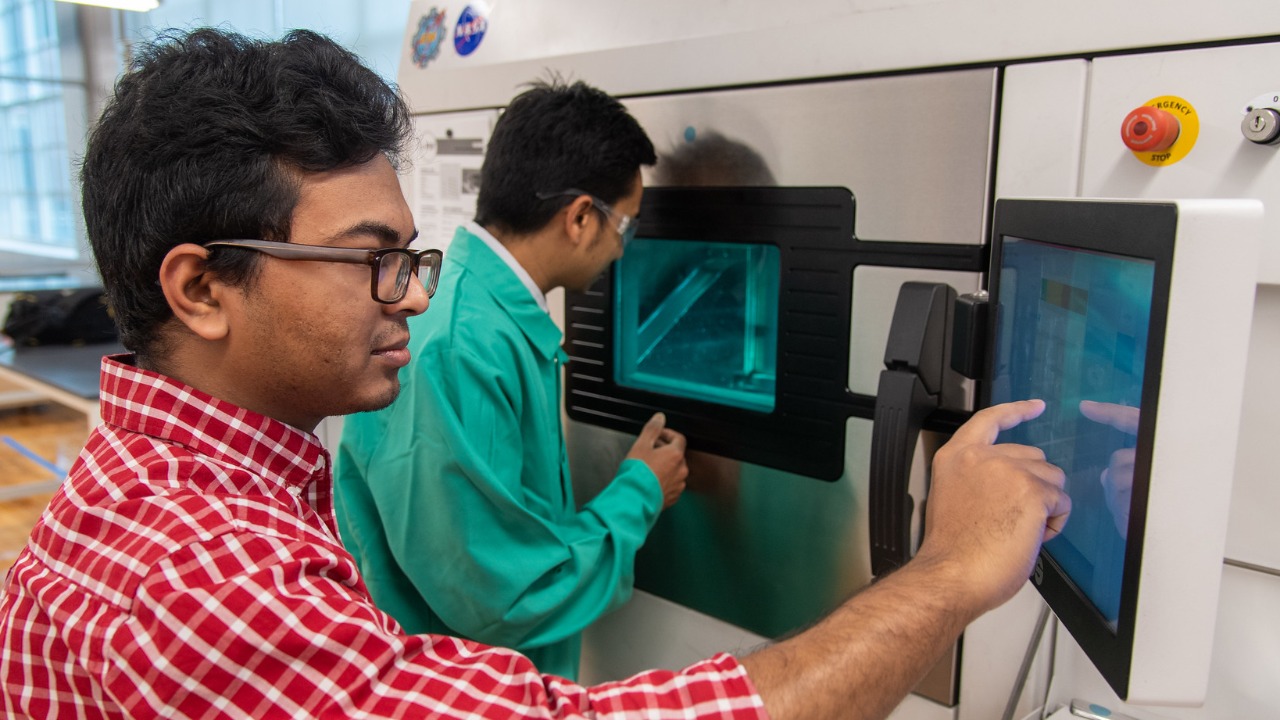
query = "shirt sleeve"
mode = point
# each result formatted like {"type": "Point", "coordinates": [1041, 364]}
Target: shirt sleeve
{"type": "Point", "coordinates": [249, 625]}
{"type": "Point", "coordinates": [484, 536]}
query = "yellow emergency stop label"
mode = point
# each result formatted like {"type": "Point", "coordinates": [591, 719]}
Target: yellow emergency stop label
{"type": "Point", "coordinates": [1188, 131]}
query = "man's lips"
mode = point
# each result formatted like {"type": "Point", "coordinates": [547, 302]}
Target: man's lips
{"type": "Point", "coordinates": [396, 353]}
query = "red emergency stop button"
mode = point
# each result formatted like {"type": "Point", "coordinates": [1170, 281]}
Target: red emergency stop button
{"type": "Point", "coordinates": [1149, 129]}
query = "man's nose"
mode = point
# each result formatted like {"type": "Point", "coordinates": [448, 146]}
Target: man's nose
{"type": "Point", "coordinates": [415, 300]}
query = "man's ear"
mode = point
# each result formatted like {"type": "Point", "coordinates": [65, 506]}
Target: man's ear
{"type": "Point", "coordinates": [193, 293]}
{"type": "Point", "coordinates": [577, 221]}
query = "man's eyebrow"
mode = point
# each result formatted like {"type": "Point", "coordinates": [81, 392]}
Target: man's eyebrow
{"type": "Point", "coordinates": [386, 235]}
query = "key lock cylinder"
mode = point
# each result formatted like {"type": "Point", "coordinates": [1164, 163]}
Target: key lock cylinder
{"type": "Point", "coordinates": [1261, 122]}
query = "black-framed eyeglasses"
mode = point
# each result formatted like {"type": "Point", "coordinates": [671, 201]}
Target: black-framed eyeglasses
{"type": "Point", "coordinates": [391, 268]}
{"type": "Point", "coordinates": [627, 225]}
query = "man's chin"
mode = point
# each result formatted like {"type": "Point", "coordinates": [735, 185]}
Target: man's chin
{"type": "Point", "coordinates": [378, 402]}
{"type": "Point", "coordinates": [589, 283]}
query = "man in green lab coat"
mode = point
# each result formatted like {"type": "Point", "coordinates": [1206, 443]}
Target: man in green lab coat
{"type": "Point", "coordinates": [456, 500]}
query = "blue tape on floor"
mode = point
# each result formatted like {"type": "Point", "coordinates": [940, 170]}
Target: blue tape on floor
{"type": "Point", "coordinates": [28, 454]}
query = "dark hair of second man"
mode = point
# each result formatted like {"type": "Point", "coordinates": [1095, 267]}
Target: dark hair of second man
{"type": "Point", "coordinates": [555, 137]}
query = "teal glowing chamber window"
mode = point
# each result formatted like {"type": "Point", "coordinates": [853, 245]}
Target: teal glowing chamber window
{"type": "Point", "coordinates": [698, 320]}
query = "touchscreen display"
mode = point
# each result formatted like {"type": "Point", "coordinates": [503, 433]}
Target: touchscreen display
{"type": "Point", "coordinates": [1072, 330]}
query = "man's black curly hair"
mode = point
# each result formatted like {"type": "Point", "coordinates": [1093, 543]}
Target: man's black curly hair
{"type": "Point", "coordinates": [557, 136]}
{"type": "Point", "coordinates": [206, 138]}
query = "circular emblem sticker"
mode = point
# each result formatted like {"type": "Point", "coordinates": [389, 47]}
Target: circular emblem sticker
{"type": "Point", "coordinates": [426, 41]}
{"type": "Point", "coordinates": [469, 31]}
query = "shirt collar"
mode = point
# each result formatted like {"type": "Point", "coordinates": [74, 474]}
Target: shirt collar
{"type": "Point", "coordinates": [502, 252]}
{"type": "Point", "coordinates": [147, 402]}
{"type": "Point", "coordinates": [471, 254]}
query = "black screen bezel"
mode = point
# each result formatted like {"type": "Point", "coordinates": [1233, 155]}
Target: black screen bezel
{"type": "Point", "coordinates": [1143, 231]}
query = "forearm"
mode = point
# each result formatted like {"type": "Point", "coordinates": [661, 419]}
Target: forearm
{"type": "Point", "coordinates": [862, 659]}
{"type": "Point", "coordinates": [587, 566]}
{"type": "Point", "coordinates": [990, 507]}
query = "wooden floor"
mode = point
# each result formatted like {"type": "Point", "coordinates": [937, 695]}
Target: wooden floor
{"type": "Point", "coordinates": [50, 431]}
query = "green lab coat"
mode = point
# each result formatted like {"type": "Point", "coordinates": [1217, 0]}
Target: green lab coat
{"type": "Point", "coordinates": [456, 500]}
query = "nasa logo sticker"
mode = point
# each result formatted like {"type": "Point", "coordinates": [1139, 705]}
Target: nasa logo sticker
{"type": "Point", "coordinates": [469, 31]}
{"type": "Point", "coordinates": [426, 41]}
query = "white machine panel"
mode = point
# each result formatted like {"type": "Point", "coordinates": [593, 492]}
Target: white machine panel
{"type": "Point", "coordinates": [1217, 83]}
{"type": "Point", "coordinates": [1179, 593]}
{"type": "Point", "coordinates": [1242, 669]}
{"type": "Point", "coordinates": [1042, 129]}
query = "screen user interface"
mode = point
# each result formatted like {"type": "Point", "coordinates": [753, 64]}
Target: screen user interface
{"type": "Point", "coordinates": [1072, 330]}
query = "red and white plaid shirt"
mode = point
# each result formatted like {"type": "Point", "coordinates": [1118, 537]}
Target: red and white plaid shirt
{"type": "Point", "coordinates": [190, 568]}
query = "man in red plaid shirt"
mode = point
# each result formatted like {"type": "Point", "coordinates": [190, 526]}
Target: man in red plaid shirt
{"type": "Point", "coordinates": [246, 217]}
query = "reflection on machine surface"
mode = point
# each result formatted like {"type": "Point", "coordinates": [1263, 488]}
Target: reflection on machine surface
{"type": "Point", "coordinates": [759, 548]}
